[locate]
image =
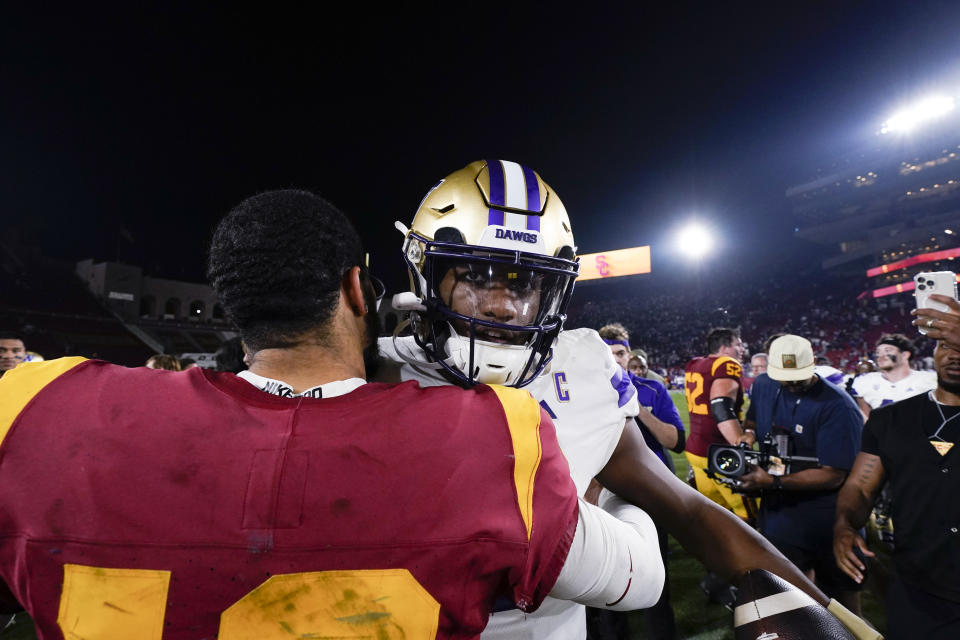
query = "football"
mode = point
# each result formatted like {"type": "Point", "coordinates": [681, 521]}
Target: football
{"type": "Point", "coordinates": [770, 608]}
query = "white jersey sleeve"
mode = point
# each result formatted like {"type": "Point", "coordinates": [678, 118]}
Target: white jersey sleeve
{"type": "Point", "coordinates": [610, 565]}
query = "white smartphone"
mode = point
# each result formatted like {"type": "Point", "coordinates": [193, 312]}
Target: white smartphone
{"type": "Point", "coordinates": [927, 282]}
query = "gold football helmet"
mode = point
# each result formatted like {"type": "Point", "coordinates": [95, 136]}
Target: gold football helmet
{"type": "Point", "coordinates": [492, 265]}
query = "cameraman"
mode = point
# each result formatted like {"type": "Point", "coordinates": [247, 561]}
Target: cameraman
{"type": "Point", "coordinates": [823, 422]}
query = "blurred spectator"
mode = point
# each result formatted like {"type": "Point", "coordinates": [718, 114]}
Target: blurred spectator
{"type": "Point", "coordinates": [617, 337]}
{"type": "Point", "coordinates": [12, 350]}
{"type": "Point", "coordinates": [895, 380]}
{"type": "Point", "coordinates": [838, 324]}
{"type": "Point", "coordinates": [865, 365]}
{"type": "Point", "coordinates": [758, 364]}
{"type": "Point", "coordinates": [642, 367]}
{"type": "Point", "coordinates": [907, 447]}
{"type": "Point", "coordinates": [817, 420]}
{"type": "Point", "coordinates": [163, 361]}
{"type": "Point", "coordinates": [230, 356]}
{"type": "Point", "coordinates": [188, 363]}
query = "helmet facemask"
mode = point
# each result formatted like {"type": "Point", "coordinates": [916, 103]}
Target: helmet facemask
{"type": "Point", "coordinates": [491, 315]}
{"type": "Point", "coordinates": [492, 265]}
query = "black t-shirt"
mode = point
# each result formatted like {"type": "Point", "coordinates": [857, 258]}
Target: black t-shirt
{"type": "Point", "coordinates": [926, 490]}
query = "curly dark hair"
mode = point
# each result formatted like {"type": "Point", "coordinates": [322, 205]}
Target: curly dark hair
{"type": "Point", "coordinates": [899, 341]}
{"type": "Point", "coordinates": [276, 264]}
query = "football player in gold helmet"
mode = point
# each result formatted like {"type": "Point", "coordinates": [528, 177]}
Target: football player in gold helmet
{"type": "Point", "coordinates": [492, 263]}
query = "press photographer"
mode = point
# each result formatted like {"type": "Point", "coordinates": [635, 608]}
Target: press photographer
{"type": "Point", "coordinates": [806, 417]}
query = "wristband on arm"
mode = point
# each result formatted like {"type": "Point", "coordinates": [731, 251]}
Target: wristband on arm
{"type": "Point", "coordinates": [722, 409]}
{"type": "Point", "coordinates": [681, 442]}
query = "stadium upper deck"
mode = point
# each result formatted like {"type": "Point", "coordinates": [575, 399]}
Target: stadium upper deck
{"type": "Point", "coordinates": [897, 196]}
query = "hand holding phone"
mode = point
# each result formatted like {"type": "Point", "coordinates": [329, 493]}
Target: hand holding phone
{"type": "Point", "coordinates": [927, 283]}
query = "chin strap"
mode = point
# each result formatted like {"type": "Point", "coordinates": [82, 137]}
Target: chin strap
{"type": "Point", "coordinates": [857, 626]}
{"type": "Point", "coordinates": [414, 362]}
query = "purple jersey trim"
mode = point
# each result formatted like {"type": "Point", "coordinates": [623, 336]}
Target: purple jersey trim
{"type": "Point", "coordinates": [497, 192]}
{"type": "Point", "coordinates": [621, 382]}
{"type": "Point", "coordinates": [546, 407]}
{"type": "Point", "coordinates": [836, 378]}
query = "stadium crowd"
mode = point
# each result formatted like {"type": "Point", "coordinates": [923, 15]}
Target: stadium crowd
{"type": "Point", "coordinates": [841, 328]}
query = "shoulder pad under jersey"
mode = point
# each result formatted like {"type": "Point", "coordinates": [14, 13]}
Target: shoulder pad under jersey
{"type": "Point", "coordinates": [20, 385]}
{"type": "Point", "coordinates": [726, 367]}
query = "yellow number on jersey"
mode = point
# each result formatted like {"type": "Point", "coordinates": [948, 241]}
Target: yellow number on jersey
{"type": "Point", "coordinates": [130, 603]}
{"type": "Point", "coordinates": [110, 604]}
{"type": "Point", "coordinates": [693, 387]}
{"type": "Point", "coordinates": [384, 604]}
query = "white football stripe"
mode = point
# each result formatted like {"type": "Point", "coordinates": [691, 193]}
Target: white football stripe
{"type": "Point", "coordinates": [514, 185]}
{"type": "Point", "coordinates": [514, 220]}
{"type": "Point", "coordinates": [771, 606]}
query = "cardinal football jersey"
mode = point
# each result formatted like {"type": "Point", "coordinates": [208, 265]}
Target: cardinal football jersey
{"type": "Point", "coordinates": [137, 503]}
{"type": "Point", "coordinates": [877, 391]}
{"type": "Point", "coordinates": [589, 397]}
{"type": "Point", "coordinates": [699, 377]}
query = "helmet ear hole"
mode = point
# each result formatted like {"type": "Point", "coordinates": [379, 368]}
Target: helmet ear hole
{"type": "Point", "coordinates": [566, 253]}
{"type": "Point", "coordinates": [449, 234]}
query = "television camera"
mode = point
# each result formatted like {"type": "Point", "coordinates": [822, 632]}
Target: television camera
{"type": "Point", "coordinates": [726, 463]}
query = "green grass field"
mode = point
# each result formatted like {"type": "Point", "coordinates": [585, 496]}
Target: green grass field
{"type": "Point", "coordinates": [697, 618]}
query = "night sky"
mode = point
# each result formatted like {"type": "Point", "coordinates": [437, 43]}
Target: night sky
{"type": "Point", "coordinates": [127, 135]}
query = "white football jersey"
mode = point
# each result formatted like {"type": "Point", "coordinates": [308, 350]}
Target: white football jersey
{"type": "Point", "coordinates": [829, 374]}
{"type": "Point", "coordinates": [877, 391]}
{"type": "Point", "coordinates": [589, 397]}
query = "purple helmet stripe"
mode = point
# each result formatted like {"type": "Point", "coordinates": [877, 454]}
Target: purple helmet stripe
{"type": "Point", "coordinates": [533, 189]}
{"type": "Point", "coordinates": [533, 198]}
{"type": "Point", "coordinates": [497, 191]}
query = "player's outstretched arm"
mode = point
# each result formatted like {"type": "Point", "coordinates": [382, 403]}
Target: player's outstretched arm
{"type": "Point", "coordinates": [856, 499]}
{"type": "Point", "coordinates": [614, 561]}
{"type": "Point", "coordinates": [714, 535]}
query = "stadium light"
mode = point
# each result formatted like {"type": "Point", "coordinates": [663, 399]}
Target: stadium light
{"type": "Point", "coordinates": [927, 109]}
{"type": "Point", "coordinates": [694, 240]}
